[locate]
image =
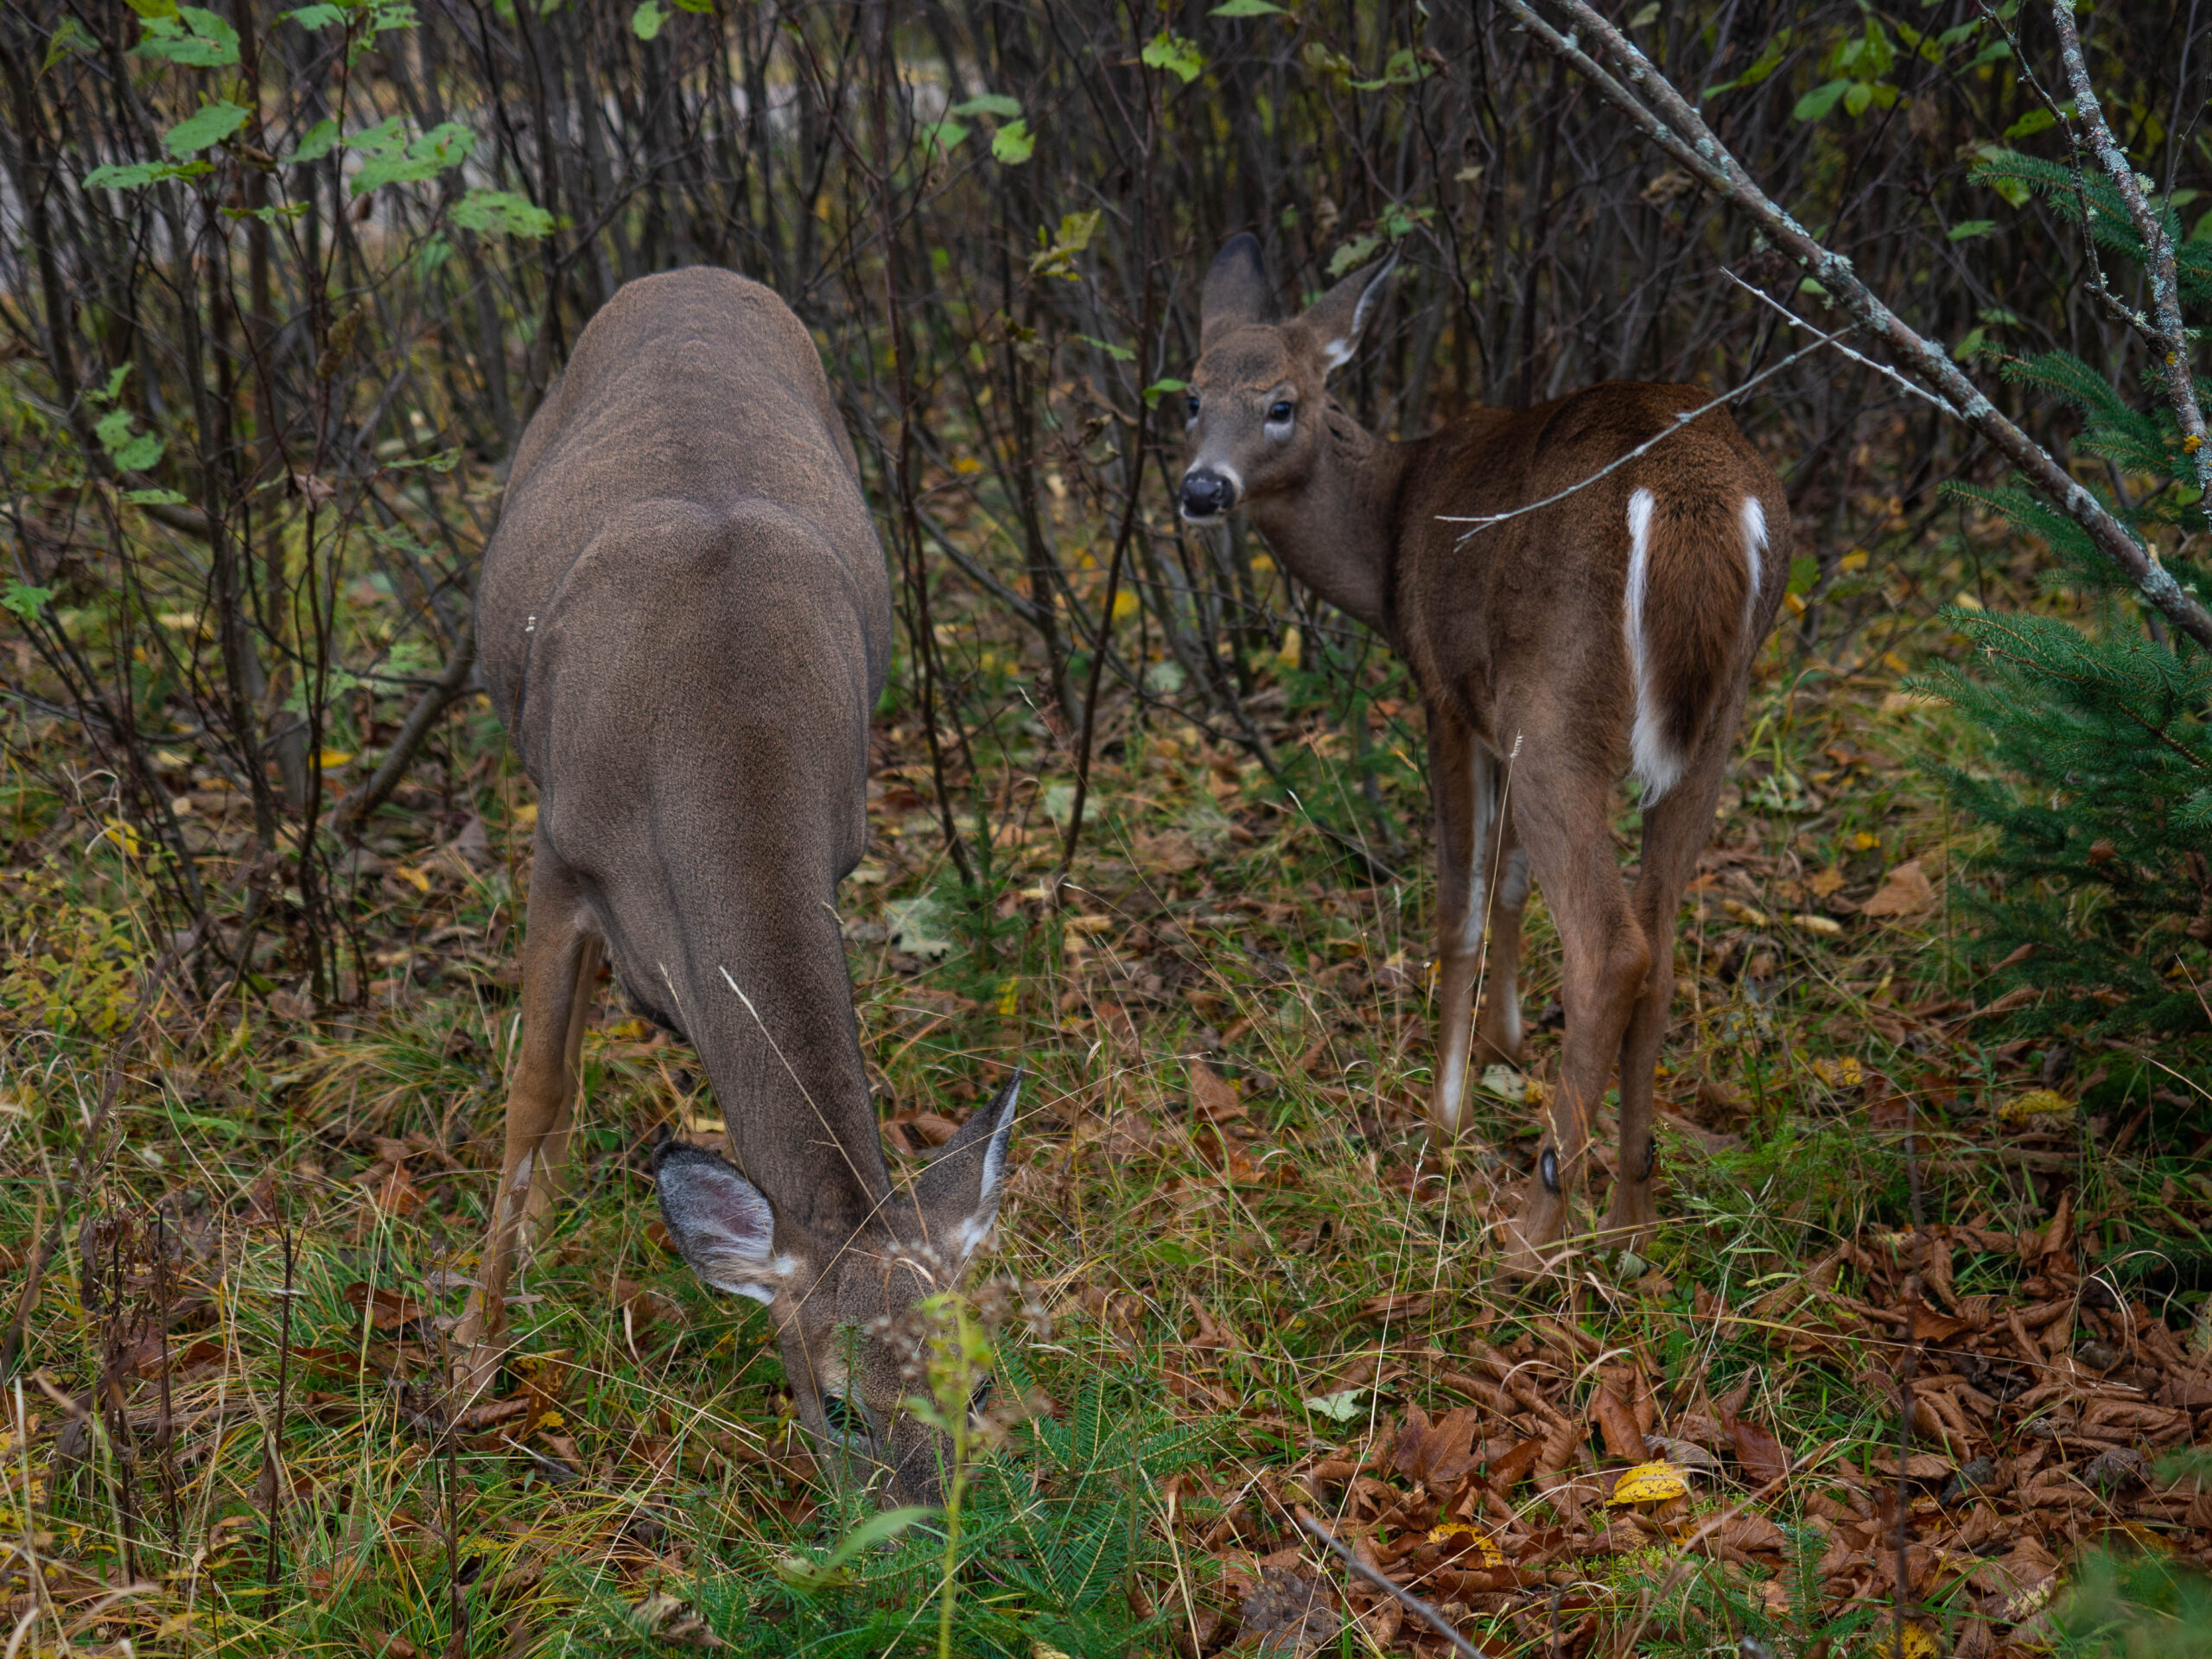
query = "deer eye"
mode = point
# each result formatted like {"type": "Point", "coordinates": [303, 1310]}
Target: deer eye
{"type": "Point", "coordinates": [1191, 404]}
{"type": "Point", "coordinates": [1278, 413]}
{"type": "Point", "coordinates": [841, 1418]}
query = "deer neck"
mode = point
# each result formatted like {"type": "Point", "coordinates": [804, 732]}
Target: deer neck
{"type": "Point", "coordinates": [1337, 531]}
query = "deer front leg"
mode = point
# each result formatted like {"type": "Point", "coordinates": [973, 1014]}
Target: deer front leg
{"type": "Point", "coordinates": [1461, 782]}
{"type": "Point", "coordinates": [559, 962]}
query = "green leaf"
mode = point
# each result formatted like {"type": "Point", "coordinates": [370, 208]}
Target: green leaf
{"type": "Point", "coordinates": [1818, 102]}
{"type": "Point", "coordinates": [388, 134]}
{"type": "Point", "coordinates": [317, 142]}
{"type": "Point", "coordinates": [194, 36]}
{"type": "Point", "coordinates": [1403, 68]}
{"type": "Point", "coordinates": [1339, 1408]}
{"type": "Point", "coordinates": [135, 175]}
{"type": "Point", "coordinates": [1354, 253]}
{"type": "Point", "coordinates": [1170, 52]}
{"type": "Point", "coordinates": [1123, 354]}
{"type": "Point", "coordinates": [204, 129]}
{"type": "Point", "coordinates": [2038, 120]}
{"type": "Point", "coordinates": [23, 600]}
{"type": "Point", "coordinates": [68, 38]}
{"type": "Point", "coordinates": [150, 9]}
{"type": "Point", "coordinates": [140, 453]}
{"type": "Point", "coordinates": [153, 498]}
{"type": "Point", "coordinates": [443, 146]}
{"type": "Point", "coordinates": [1645, 14]}
{"type": "Point", "coordinates": [317, 17]}
{"type": "Point", "coordinates": [106, 394]}
{"type": "Point", "coordinates": [1856, 97]}
{"type": "Point", "coordinates": [1972, 343]}
{"type": "Point", "coordinates": [1246, 9]}
{"type": "Point", "coordinates": [1013, 143]}
{"type": "Point", "coordinates": [113, 430]}
{"type": "Point", "coordinates": [501, 212]}
{"type": "Point", "coordinates": [808, 1576]}
{"type": "Point", "coordinates": [1160, 389]}
{"type": "Point", "coordinates": [998, 104]}
{"type": "Point", "coordinates": [945, 135]}
{"type": "Point", "coordinates": [1967, 229]}
{"type": "Point", "coordinates": [646, 21]}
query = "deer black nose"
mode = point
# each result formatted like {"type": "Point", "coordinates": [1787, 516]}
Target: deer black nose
{"type": "Point", "coordinates": [1206, 493]}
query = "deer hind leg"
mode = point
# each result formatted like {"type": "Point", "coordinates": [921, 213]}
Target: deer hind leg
{"type": "Point", "coordinates": [1676, 830]}
{"type": "Point", "coordinates": [1463, 780]}
{"type": "Point", "coordinates": [1497, 1025]}
{"type": "Point", "coordinates": [1605, 962]}
{"type": "Point", "coordinates": [560, 961]}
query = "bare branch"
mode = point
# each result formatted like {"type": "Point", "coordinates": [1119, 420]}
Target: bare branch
{"type": "Point", "coordinates": [2164, 329]}
{"type": "Point", "coordinates": [1669, 121]}
{"type": "Point", "coordinates": [451, 686]}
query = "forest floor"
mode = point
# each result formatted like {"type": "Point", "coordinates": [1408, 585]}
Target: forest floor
{"type": "Point", "coordinates": [1233, 1287]}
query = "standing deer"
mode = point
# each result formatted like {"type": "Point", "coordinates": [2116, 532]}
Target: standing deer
{"type": "Point", "coordinates": [1609, 631]}
{"type": "Point", "coordinates": [684, 620]}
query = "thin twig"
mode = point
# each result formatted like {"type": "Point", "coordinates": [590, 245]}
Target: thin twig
{"type": "Point", "coordinates": [1412, 1603]}
{"type": "Point", "coordinates": [1682, 420]}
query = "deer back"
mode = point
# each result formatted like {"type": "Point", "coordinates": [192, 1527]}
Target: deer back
{"type": "Point", "coordinates": [684, 619]}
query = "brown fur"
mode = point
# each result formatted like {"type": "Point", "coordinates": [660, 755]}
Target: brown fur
{"type": "Point", "coordinates": [1515, 635]}
{"type": "Point", "coordinates": [685, 620]}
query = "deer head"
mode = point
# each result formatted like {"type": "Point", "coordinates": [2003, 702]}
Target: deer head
{"type": "Point", "coordinates": [1257, 396]}
{"type": "Point", "coordinates": [840, 1300]}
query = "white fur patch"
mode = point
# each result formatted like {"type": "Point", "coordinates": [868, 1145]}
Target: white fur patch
{"type": "Point", "coordinates": [1654, 760]}
{"type": "Point", "coordinates": [779, 1269]}
{"type": "Point", "coordinates": [1754, 546]}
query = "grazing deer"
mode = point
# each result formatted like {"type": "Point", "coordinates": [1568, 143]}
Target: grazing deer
{"type": "Point", "coordinates": [1578, 635]}
{"type": "Point", "coordinates": [684, 620]}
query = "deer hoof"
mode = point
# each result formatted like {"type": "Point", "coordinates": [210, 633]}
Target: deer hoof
{"type": "Point", "coordinates": [1631, 1219]}
{"type": "Point", "coordinates": [1532, 1237]}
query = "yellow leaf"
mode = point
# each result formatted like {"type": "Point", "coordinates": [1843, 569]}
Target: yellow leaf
{"type": "Point", "coordinates": [1796, 605]}
{"type": "Point", "coordinates": [1125, 606]}
{"type": "Point", "coordinates": [1090, 924]}
{"type": "Point", "coordinates": [1857, 559]}
{"type": "Point", "coordinates": [526, 816]}
{"type": "Point", "coordinates": [1649, 1482]}
{"type": "Point", "coordinates": [1291, 649]}
{"type": "Point", "coordinates": [2037, 1106]}
{"type": "Point", "coordinates": [1812, 924]}
{"type": "Point", "coordinates": [967, 465]}
{"type": "Point", "coordinates": [1458, 1533]}
{"type": "Point", "coordinates": [1862, 842]}
{"type": "Point", "coordinates": [1844, 1073]}
{"type": "Point", "coordinates": [331, 758]}
{"type": "Point", "coordinates": [1009, 1002]}
{"type": "Point", "coordinates": [412, 876]}
{"type": "Point", "coordinates": [1913, 1642]}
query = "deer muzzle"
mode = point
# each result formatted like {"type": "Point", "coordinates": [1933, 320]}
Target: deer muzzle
{"type": "Point", "coordinates": [1206, 495]}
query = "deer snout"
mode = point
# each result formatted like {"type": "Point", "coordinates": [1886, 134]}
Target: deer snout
{"type": "Point", "coordinates": [1206, 494]}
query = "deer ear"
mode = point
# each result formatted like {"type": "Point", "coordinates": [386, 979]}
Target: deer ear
{"type": "Point", "coordinates": [1236, 288]}
{"type": "Point", "coordinates": [1335, 319]}
{"type": "Point", "coordinates": [720, 1221]}
{"type": "Point", "coordinates": [958, 1193]}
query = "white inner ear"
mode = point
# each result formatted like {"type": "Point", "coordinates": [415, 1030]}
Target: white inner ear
{"type": "Point", "coordinates": [722, 1225]}
{"type": "Point", "coordinates": [968, 1236]}
{"type": "Point", "coordinates": [1337, 352]}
